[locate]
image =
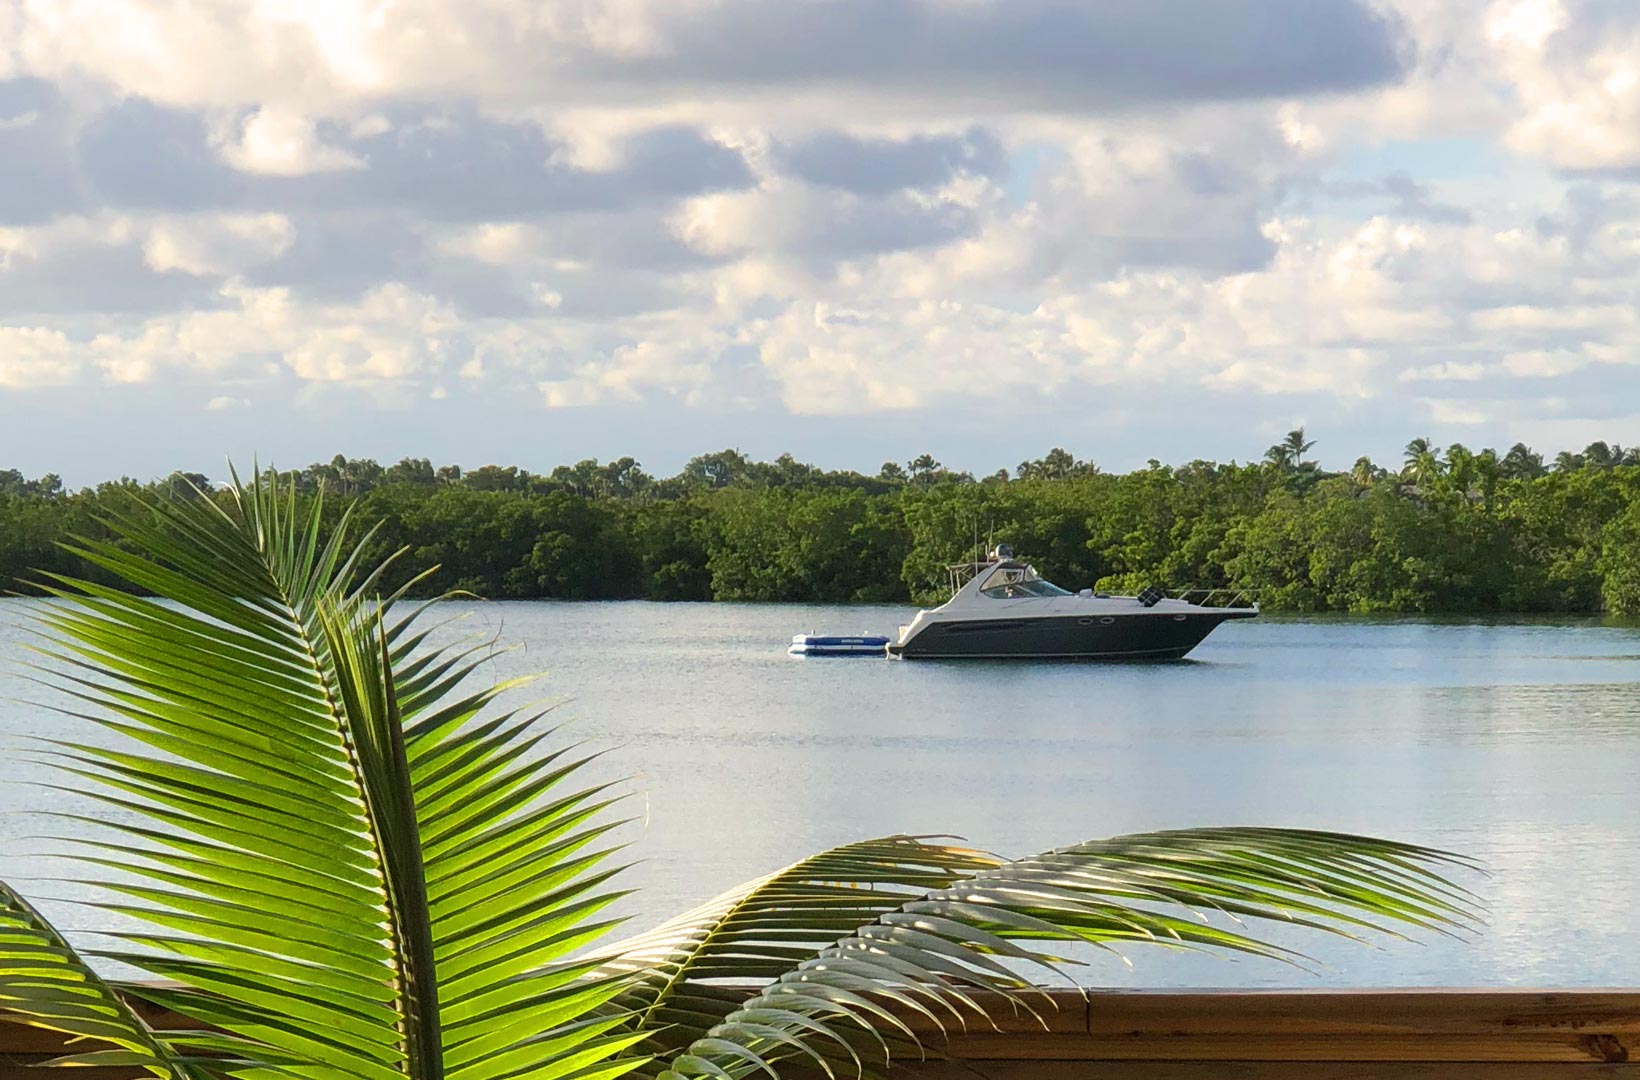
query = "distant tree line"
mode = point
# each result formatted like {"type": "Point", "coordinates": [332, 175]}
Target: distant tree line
{"type": "Point", "coordinates": [1443, 530]}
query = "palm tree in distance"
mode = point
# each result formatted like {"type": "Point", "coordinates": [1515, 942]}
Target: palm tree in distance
{"type": "Point", "coordinates": [1460, 466]}
{"type": "Point", "coordinates": [1056, 464]}
{"type": "Point", "coordinates": [1288, 454]}
{"type": "Point", "coordinates": [923, 469]}
{"type": "Point", "coordinates": [1422, 462]}
{"type": "Point", "coordinates": [1488, 471]}
{"type": "Point", "coordinates": [1603, 455]}
{"type": "Point", "coordinates": [1298, 447]}
{"type": "Point", "coordinates": [338, 859]}
{"type": "Point", "coordinates": [1364, 472]}
{"type": "Point", "coordinates": [1521, 463]}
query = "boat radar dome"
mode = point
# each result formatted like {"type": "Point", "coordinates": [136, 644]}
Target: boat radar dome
{"type": "Point", "coordinates": [1002, 552]}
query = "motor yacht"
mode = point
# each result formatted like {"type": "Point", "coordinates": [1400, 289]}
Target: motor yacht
{"type": "Point", "coordinates": [1002, 608]}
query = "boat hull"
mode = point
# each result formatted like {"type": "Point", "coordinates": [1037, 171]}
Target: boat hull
{"type": "Point", "coordinates": [1070, 637]}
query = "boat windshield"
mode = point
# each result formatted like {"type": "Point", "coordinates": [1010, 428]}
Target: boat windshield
{"type": "Point", "coordinates": [1015, 590]}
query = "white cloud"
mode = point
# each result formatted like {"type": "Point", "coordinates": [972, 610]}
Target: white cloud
{"type": "Point", "coordinates": [1446, 411]}
{"type": "Point", "coordinates": [634, 371]}
{"type": "Point", "coordinates": [495, 243]}
{"type": "Point", "coordinates": [1552, 317]}
{"type": "Point", "coordinates": [217, 245]}
{"type": "Point", "coordinates": [1448, 371]}
{"type": "Point", "coordinates": [1543, 365]}
{"type": "Point", "coordinates": [226, 403]}
{"type": "Point", "coordinates": [1578, 84]}
{"type": "Point", "coordinates": [32, 356]}
{"type": "Point", "coordinates": [277, 142]}
{"type": "Point", "coordinates": [127, 369]}
{"type": "Point", "coordinates": [1525, 24]}
{"type": "Point", "coordinates": [390, 333]}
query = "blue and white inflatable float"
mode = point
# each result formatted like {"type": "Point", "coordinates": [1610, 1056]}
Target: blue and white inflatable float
{"type": "Point", "coordinates": [831, 645]}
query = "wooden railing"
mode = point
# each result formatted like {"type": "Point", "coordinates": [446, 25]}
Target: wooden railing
{"type": "Point", "coordinates": [1238, 1035]}
{"type": "Point", "coordinates": [1315, 1035]}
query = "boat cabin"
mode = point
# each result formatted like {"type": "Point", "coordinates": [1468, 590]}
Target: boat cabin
{"type": "Point", "coordinates": [1016, 581]}
{"type": "Point", "coordinates": [1001, 577]}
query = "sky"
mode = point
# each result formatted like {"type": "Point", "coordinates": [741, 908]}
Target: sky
{"type": "Point", "coordinates": [535, 231]}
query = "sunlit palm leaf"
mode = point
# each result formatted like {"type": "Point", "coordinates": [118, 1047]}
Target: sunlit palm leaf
{"type": "Point", "coordinates": [281, 873]}
{"type": "Point", "coordinates": [757, 931]}
{"type": "Point", "coordinates": [44, 983]}
{"type": "Point", "coordinates": [318, 839]}
{"type": "Point", "coordinates": [516, 879]}
{"type": "Point", "coordinates": [922, 957]}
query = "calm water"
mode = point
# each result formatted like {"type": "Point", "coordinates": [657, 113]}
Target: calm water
{"type": "Point", "coordinates": [1515, 743]}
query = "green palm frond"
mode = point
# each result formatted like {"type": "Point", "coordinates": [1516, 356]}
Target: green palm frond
{"type": "Point", "coordinates": [280, 885]}
{"type": "Point", "coordinates": [847, 1002]}
{"type": "Point", "coordinates": [300, 791]}
{"type": "Point", "coordinates": [45, 983]}
{"type": "Point", "coordinates": [516, 881]}
{"type": "Point", "coordinates": [757, 931]}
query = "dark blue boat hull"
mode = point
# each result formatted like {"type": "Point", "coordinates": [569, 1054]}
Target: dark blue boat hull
{"type": "Point", "coordinates": [1071, 637]}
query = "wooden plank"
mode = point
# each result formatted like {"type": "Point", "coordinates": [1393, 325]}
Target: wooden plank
{"type": "Point", "coordinates": [1186, 1046]}
{"type": "Point", "coordinates": [1031, 1013]}
{"type": "Point", "coordinates": [22, 1069]}
{"type": "Point", "coordinates": [1388, 1026]}
{"type": "Point", "coordinates": [16, 1070]}
{"type": "Point", "coordinates": [1258, 1070]}
{"type": "Point", "coordinates": [1414, 1025]}
{"type": "Point", "coordinates": [1457, 1012]}
{"type": "Point", "coordinates": [1354, 1028]}
{"type": "Point", "coordinates": [18, 1038]}
{"type": "Point", "coordinates": [1503, 1013]}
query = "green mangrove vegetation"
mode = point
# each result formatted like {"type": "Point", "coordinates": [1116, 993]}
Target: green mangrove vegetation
{"type": "Point", "coordinates": [1442, 530]}
{"type": "Point", "coordinates": [336, 854]}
